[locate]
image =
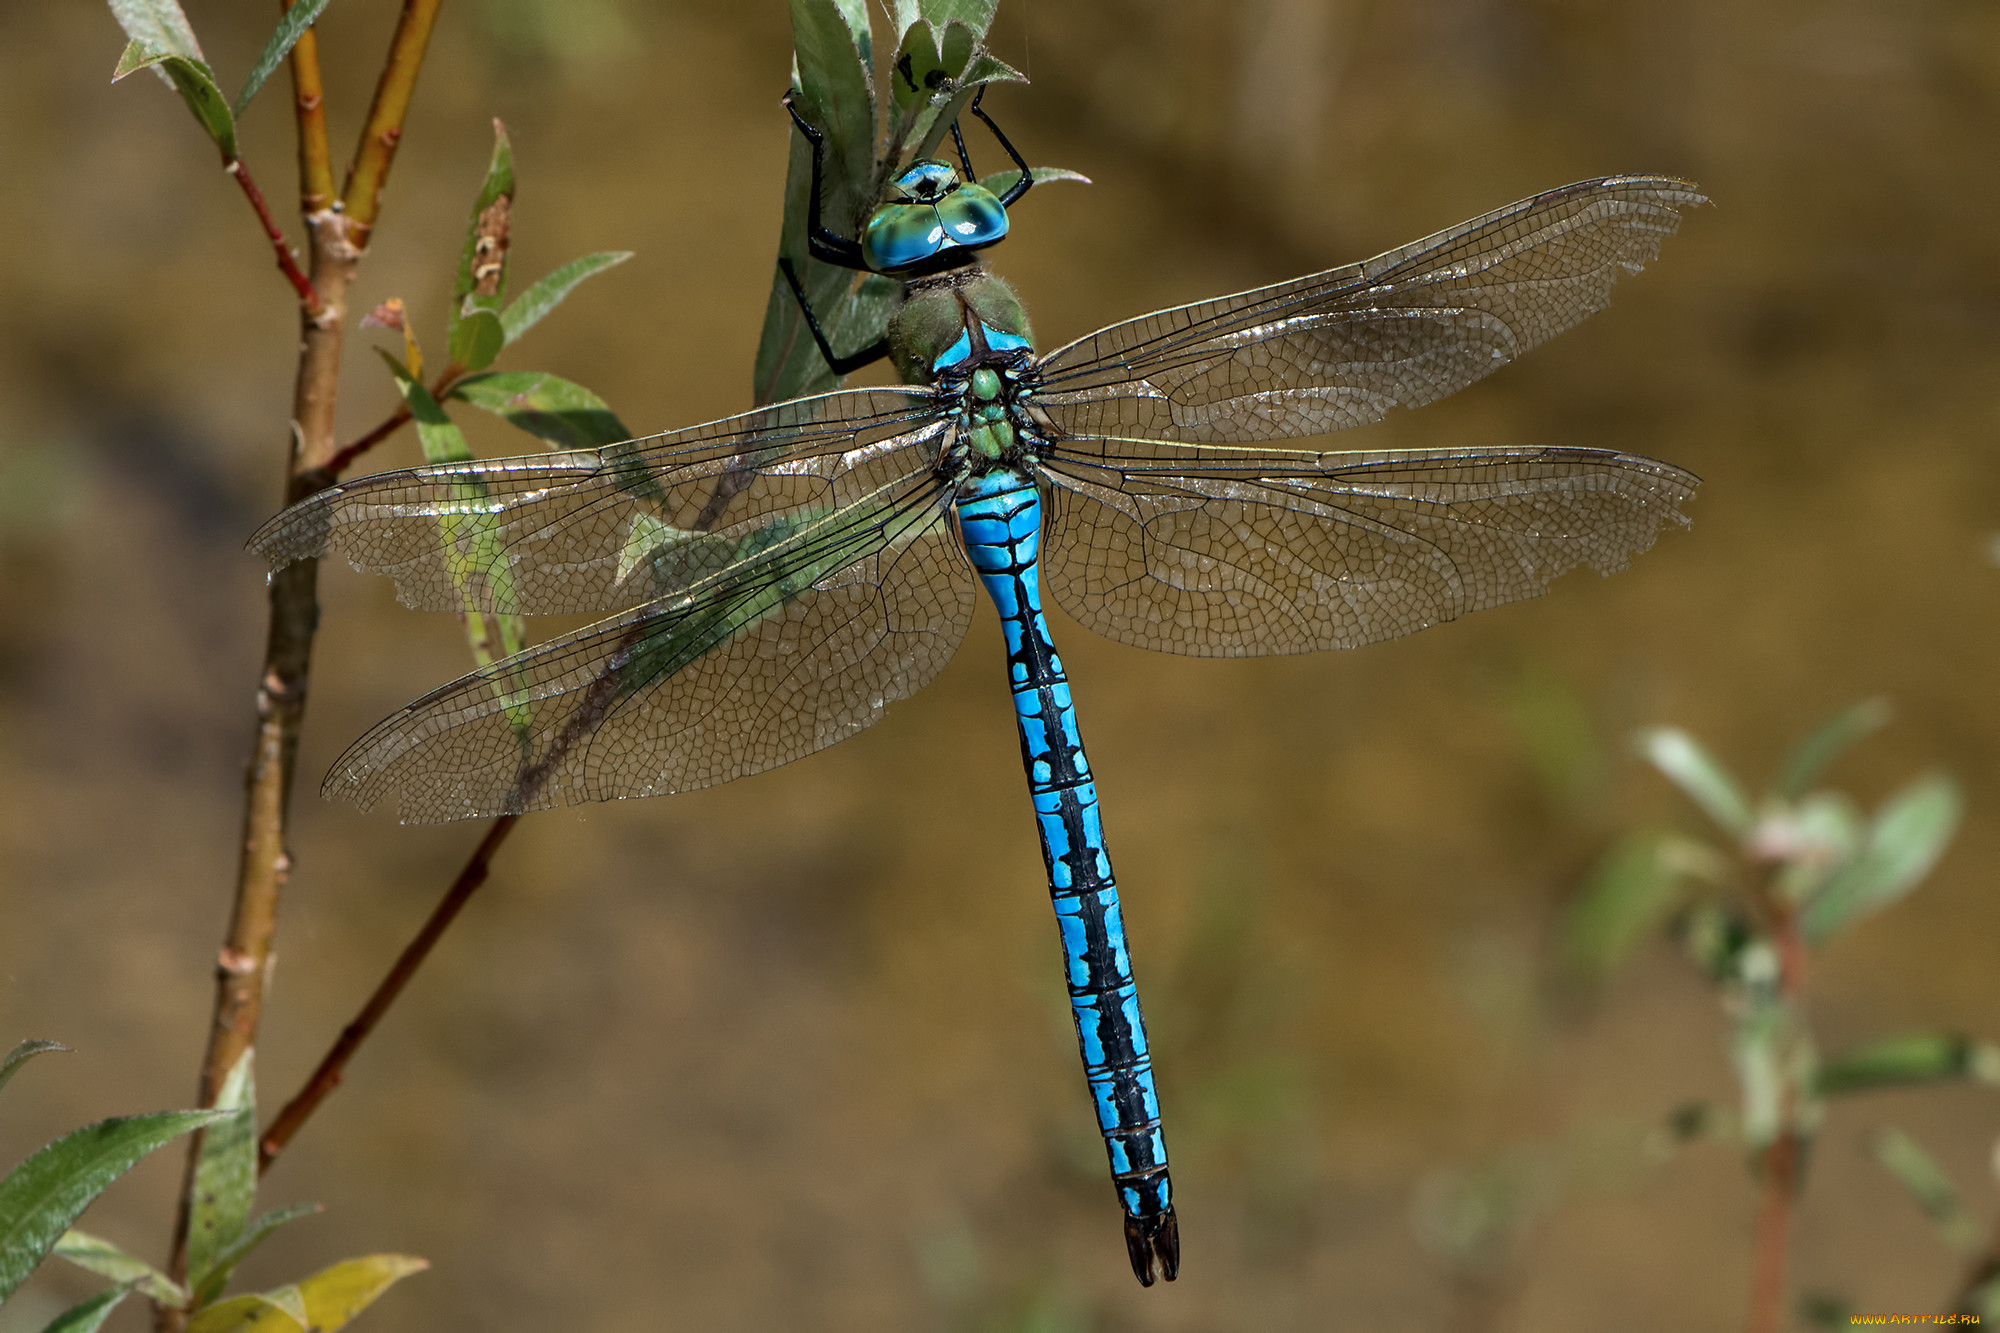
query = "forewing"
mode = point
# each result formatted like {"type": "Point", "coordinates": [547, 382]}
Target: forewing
{"type": "Point", "coordinates": [1339, 349]}
{"type": "Point", "coordinates": [1292, 552]}
{"type": "Point", "coordinates": [612, 528]}
{"type": "Point", "coordinates": [799, 643]}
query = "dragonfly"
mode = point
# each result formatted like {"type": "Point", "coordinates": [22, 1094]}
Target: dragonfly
{"type": "Point", "coordinates": [771, 582]}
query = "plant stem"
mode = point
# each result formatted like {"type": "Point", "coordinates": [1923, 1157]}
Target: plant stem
{"type": "Point", "coordinates": [337, 244]}
{"type": "Point", "coordinates": [1774, 1214]}
{"type": "Point", "coordinates": [1781, 1165]}
{"type": "Point", "coordinates": [383, 129]}
{"type": "Point", "coordinates": [287, 263]}
{"type": "Point", "coordinates": [395, 421]}
{"type": "Point", "coordinates": [327, 1077]}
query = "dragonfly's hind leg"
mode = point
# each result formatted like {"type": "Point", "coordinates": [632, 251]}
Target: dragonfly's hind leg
{"type": "Point", "coordinates": [840, 365]}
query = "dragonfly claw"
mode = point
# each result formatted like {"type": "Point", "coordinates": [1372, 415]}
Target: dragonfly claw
{"type": "Point", "coordinates": [1150, 1238]}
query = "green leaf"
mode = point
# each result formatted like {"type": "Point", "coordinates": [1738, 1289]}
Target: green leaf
{"type": "Point", "coordinates": [1002, 181]}
{"type": "Point", "coordinates": [476, 338]}
{"type": "Point", "coordinates": [1816, 751]}
{"type": "Point", "coordinates": [1922, 1057]}
{"type": "Point", "coordinates": [97, 1255]}
{"type": "Point", "coordinates": [477, 553]}
{"type": "Point", "coordinates": [44, 1194]}
{"type": "Point", "coordinates": [225, 1175]}
{"type": "Point", "coordinates": [160, 24]}
{"type": "Point", "coordinates": [837, 94]}
{"type": "Point", "coordinates": [23, 1053]}
{"type": "Point", "coordinates": [481, 285]}
{"type": "Point", "coordinates": [337, 1294]}
{"type": "Point", "coordinates": [238, 1250]}
{"type": "Point", "coordinates": [290, 28]}
{"type": "Point", "coordinates": [88, 1316]}
{"type": "Point", "coordinates": [545, 295]}
{"type": "Point", "coordinates": [1907, 836]}
{"type": "Point", "coordinates": [974, 14]}
{"type": "Point", "coordinates": [548, 407]}
{"type": "Point", "coordinates": [1904, 1158]}
{"type": "Point", "coordinates": [282, 1310]}
{"type": "Point", "coordinates": [1629, 893]}
{"type": "Point", "coordinates": [1691, 768]}
{"type": "Point", "coordinates": [193, 80]}
{"type": "Point", "coordinates": [918, 73]}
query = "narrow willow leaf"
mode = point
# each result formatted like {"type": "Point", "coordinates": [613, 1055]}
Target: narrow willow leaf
{"type": "Point", "coordinates": [1002, 181]}
{"type": "Point", "coordinates": [1816, 751]}
{"type": "Point", "coordinates": [550, 408]}
{"type": "Point", "coordinates": [1907, 836]}
{"type": "Point", "coordinates": [158, 23]}
{"type": "Point", "coordinates": [21, 1054]}
{"type": "Point", "coordinates": [88, 1316]}
{"type": "Point", "coordinates": [97, 1255]}
{"type": "Point", "coordinates": [337, 1294]}
{"type": "Point", "coordinates": [279, 1311]}
{"type": "Point", "coordinates": [1632, 889]}
{"type": "Point", "coordinates": [1905, 1159]}
{"type": "Point", "coordinates": [225, 1175]}
{"type": "Point", "coordinates": [834, 46]}
{"type": "Point", "coordinates": [43, 1195]}
{"type": "Point", "coordinates": [1922, 1057]}
{"type": "Point", "coordinates": [545, 295]}
{"type": "Point", "coordinates": [481, 283]}
{"type": "Point", "coordinates": [477, 555]}
{"type": "Point", "coordinates": [254, 1234]}
{"type": "Point", "coordinates": [193, 80]}
{"type": "Point", "coordinates": [290, 28]}
{"type": "Point", "coordinates": [1691, 768]}
{"type": "Point", "coordinates": [476, 338]}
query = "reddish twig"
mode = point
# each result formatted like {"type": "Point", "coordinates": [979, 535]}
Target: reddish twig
{"type": "Point", "coordinates": [327, 1077]}
{"type": "Point", "coordinates": [288, 263]}
{"type": "Point", "coordinates": [395, 421]}
{"type": "Point", "coordinates": [1774, 1215]}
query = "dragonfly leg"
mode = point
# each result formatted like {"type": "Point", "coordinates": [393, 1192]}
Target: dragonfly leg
{"type": "Point", "coordinates": [1021, 186]}
{"type": "Point", "coordinates": [821, 241]}
{"type": "Point", "coordinates": [964, 159]}
{"type": "Point", "coordinates": [840, 365]}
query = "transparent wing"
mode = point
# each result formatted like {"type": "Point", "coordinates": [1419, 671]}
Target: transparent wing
{"type": "Point", "coordinates": [1339, 349]}
{"type": "Point", "coordinates": [802, 641]}
{"type": "Point", "coordinates": [612, 528]}
{"type": "Point", "coordinates": [1286, 551]}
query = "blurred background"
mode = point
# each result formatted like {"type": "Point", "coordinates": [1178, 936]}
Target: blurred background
{"type": "Point", "coordinates": [794, 1053]}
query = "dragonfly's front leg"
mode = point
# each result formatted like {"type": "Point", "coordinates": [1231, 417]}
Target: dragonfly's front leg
{"type": "Point", "coordinates": [1001, 524]}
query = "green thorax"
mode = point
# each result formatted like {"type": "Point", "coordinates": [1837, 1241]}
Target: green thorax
{"type": "Point", "coordinates": [933, 326]}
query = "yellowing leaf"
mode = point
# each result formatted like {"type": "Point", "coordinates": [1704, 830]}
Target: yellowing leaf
{"type": "Point", "coordinates": [280, 1311]}
{"type": "Point", "coordinates": [337, 1294]}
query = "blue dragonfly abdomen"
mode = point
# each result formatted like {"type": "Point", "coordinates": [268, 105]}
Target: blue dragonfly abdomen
{"type": "Point", "coordinates": [1000, 521]}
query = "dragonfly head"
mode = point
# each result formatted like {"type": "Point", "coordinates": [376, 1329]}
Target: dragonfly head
{"type": "Point", "coordinates": [931, 219]}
